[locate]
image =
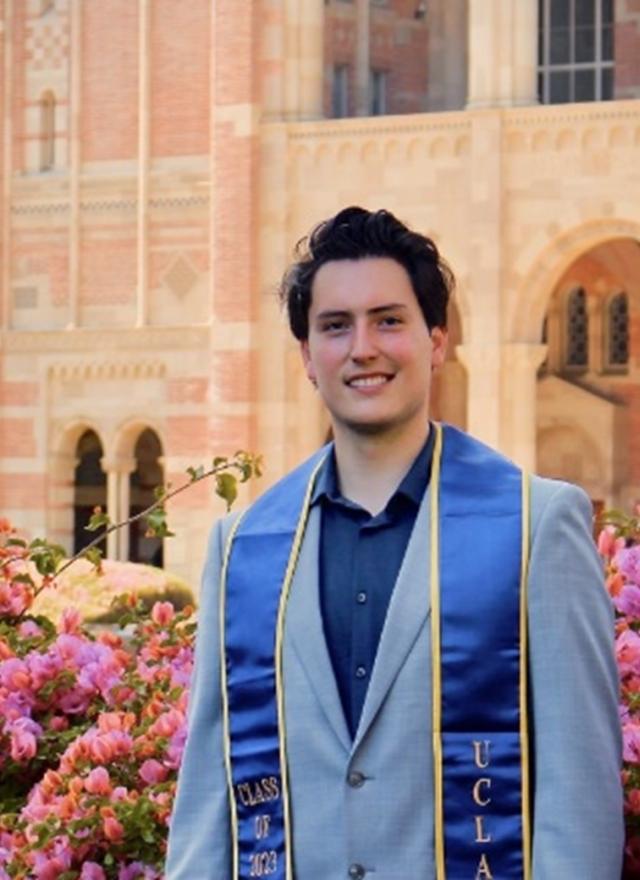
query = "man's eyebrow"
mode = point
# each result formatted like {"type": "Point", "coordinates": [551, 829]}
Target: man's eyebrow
{"type": "Point", "coordinates": [341, 313]}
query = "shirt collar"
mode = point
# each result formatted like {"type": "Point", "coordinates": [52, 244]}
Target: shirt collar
{"type": "Point", "coordinates": [412, 486]}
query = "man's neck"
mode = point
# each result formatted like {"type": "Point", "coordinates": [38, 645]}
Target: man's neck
{"type": "Point", "coordinates": [371, 467]}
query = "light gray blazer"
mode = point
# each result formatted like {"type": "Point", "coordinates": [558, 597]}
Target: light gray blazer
{"type": "Point", "coordinates": [386, 824]}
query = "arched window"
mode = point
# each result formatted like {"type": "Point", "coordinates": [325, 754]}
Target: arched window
{"type": "Point", "coordinates": [90, 488]}
{"type": "Point", "coordinates": [577, 345]}
{"type": "Point", "coordinates": [575, 50]}
{"type": "Point", "coordinates": [144, 479]}
{"type": "Point", "coordinates": [617, 331]}
{"type": "Point", "coordinates": [47, 131]}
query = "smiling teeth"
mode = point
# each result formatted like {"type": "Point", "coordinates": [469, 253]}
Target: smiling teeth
{"type": "Point", "coordinates": [368, 380]}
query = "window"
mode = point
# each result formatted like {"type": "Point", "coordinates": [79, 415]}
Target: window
{"type": "Point", "coordinates": [340, 91]}
{"type": "Point", "coordinates": [47, 131]}
{"type": "Point", "coordinates": [577, 350]}
{"type": "Point", "coordinates": [617, 331]}
{"type": "Point", "coordinates": [575, 51]}
{"type": "Point", "coordinates": [378, 92]}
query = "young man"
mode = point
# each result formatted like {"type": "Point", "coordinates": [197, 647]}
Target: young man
{"type": "Point", "coordinates": [404, 664]}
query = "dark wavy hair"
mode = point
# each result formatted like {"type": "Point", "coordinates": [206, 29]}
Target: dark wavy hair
{"type": "Point", "coordinates": [355, 233]}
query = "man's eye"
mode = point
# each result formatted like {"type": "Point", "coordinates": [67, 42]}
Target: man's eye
{"type": "Point", "coordinates": [390, 321]}
{"type": "Point", "coordinates": [334, 326]}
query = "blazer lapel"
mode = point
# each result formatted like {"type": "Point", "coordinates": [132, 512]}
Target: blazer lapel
{"type": "Point", "coordinates": [409, 607]}
{"type": "Point", "coordinates": [305, 629]}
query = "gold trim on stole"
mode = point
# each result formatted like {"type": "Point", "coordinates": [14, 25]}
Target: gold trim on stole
{"type": "Point", "coordinates": [437, 672]}
{"type": "Point", "coordinates": [284, 595]}
{"type": "Point", "coordinates": [233, 815]}
{"type": "Point", "coordinates": [524, 676]}
{"type": "Point", "coordinates": [436, 685]}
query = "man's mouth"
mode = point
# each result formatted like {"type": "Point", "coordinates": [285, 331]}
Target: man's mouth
{"type": "Point", "coordinates": [368, 381]}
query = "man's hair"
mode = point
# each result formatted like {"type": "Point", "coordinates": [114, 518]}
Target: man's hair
{"type": "Point", "coordinates": [355, 233]}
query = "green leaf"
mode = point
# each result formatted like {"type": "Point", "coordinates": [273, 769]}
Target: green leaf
{"type": "Point", "coordinates": [16, 542]}
{"type": "Point", "coordinates": [196, 473]}
{"type": "Point", "coordinates": [94, 555]}
{"type": "Point", "coordinates": [227, 488]}
{"type": "Point", "coordinates": [23, 579]}
{"type": "Point", "coordinates": [99, 520]}
{"type": "Point", "coordinates": [220, 461]}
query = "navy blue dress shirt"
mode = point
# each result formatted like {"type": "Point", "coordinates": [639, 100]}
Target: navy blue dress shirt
{"type": "Point", "coordinates": [360, 557]}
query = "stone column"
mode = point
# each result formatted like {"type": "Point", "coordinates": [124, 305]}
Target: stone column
{"type": "Point", "coordinates": [311, 62]}
{"type": "Point", "coordinates": [363, 37]}
{"type": "Point", "coordinates": [118, 470]}
{"type": "Point", "coordinates": [503, 53]}
{"type": "Point", "coordinates": [520, 363]}
{"type": "Point", "coordinates": [482, 363]}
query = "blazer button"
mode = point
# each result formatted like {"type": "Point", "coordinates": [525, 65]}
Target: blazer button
{"type": "Point", "coordinates": [356, 872]}
{"type": "Point", "coordinates": [356, 779]}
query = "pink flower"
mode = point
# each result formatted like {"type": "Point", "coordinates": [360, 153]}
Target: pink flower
{"type": "Point", "coordinates": [29, 629]}
{"type": "Point", "coordinates": [98, 781]}
{"type": "Point", "coordinates": [167, 723]}
{"type": "Point", "coordinates": [628, 652]}
{"type": "Point", "coordinates": [153, 771]}
{"type": "Point", "coordinates": [14, 675]}
{"type": "Point", "coordinates": [608, 544]}
{"type": "Point", "coordinates": [112, 829]}
{"type": "Point", "coordinates": [24, 744]}
{"type": "Point", "coordinates": [628, 562]}
{"type": "Point", "coordinates": [15, 598]}
{"type": "Point", "coordinates": [627, 601]}
{"type": "Point", "coordinates": [92, 871]}
{"type": "Point", "coordinates": [631, 742]}
{"type": "Point", "coordinates": [162, 613]}
{"type": "Point", "coordinates": [70, 621]}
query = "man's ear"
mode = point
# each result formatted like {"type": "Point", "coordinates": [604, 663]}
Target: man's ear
{"type": "Point", "coordinates": [306, 360]}
{"type": "Point", "coordinates": [439, 342]}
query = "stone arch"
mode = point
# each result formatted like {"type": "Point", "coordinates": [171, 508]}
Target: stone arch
{"type": "Point", "coordinates": [566, 140]}
{"type": "Point", "coordinates": [370, 153]}
{"type": "Point", "coordinates": [438, 148]}
{"type": "Point", "coordinates": [549, 265]}
{"type": "Point", "coordinates": [463, 145]}
{"type": "Point", "coordinates": [392, 152]}
{"type": "Point", "coordinates": [415, 150]}
{"type": "Point", "coordinates": [541, 141]}
{"type": "Point", "coordinates": [618, 137]}
{"type": "Point", "coordinates": [134, 475]}
{"type": "Point", "coordinates": [516, 142]}
{"type": "Point", "coordinates": [147, 476]}
{"type": "Point", "coordinates": [89, 486]}
{"type": "Point", "coordinates": [346, 153]}
{"type": "Point", "coordinates": [62, 466]}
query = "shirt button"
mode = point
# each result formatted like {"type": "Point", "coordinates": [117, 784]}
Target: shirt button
{"type": "Point", "coordinates": [361, 597]}
{"type": "Point", "coordinates": [356, 779]}
{"type": "Point", "coordinates": [361, 672]}
{"type": "Point", "coordinates": [356, 872]}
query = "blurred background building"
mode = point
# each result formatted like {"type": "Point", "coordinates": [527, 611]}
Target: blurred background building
{"type": "Point", "coordinates": [159, 159]}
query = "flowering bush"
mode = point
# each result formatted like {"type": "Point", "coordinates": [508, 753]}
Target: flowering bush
{"type": "Point", "coordinates": [82, 586]}
{"type": "Point", "coordinates": [92, 729]}
{"type": "Point", "coordinates": [619, 545]}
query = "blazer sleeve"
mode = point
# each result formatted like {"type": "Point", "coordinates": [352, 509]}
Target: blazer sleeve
{"type": "Point", "coordinates": [199, 832]}
{"type": "Point", "coordinates": [578, 826]}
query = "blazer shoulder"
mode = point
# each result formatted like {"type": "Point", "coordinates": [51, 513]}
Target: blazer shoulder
{"type": "Point", "coordinates": [557, 497]}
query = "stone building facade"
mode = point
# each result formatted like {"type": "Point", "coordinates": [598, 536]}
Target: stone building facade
{"type": "Point", "coordinates": [159, 160]}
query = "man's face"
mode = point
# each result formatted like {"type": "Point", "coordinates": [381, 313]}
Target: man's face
{"type": "Point", "coordinates": [369, 349]}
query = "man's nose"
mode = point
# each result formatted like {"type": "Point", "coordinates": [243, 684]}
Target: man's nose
{"type": "Point", "coordinates": [363, 345]}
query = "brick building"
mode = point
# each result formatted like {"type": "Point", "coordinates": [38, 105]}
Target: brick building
{"type": "Point", "coordinates": [159, 159]}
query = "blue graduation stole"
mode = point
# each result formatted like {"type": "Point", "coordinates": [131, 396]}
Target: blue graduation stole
{"type": "Point", "coordinates": [479, 555]}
